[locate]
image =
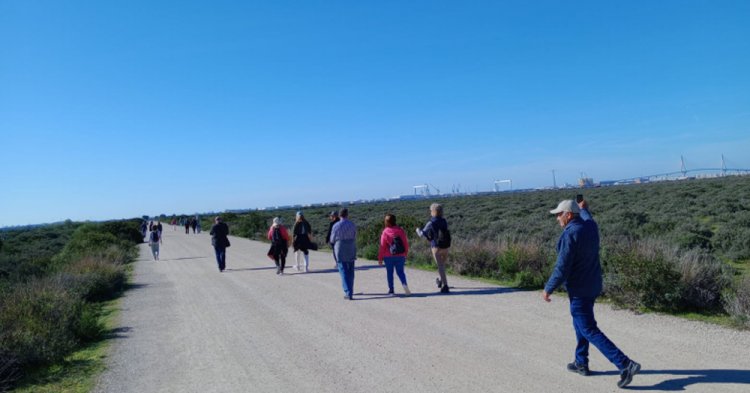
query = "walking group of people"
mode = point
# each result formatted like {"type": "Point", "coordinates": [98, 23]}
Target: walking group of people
{"type": "Point", "coordinates": [578, 266]}
{"type": "Point", "coordinates": [342, 235]}
{"type": "Point", "coordinates": [192, 222]}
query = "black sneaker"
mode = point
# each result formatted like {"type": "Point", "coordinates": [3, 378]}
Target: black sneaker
{"type": "Point", "coordinates": [626, 375]}
{"type": "Point", "coordinates": [390, 291]}
{"type": "Point", "coordinates": [582, 369]}
{"type": "Point", "coordinates": [438, 282]}
{"type": "Point", "coordinates": [445, 289]}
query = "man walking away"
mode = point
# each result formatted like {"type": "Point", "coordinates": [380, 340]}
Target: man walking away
{"type": "Point", "coordinates": [219, 233]}
{"type": "Point", "coordinates": [578, 268]}
{"type": "Point", "coordinates": [344, 242]}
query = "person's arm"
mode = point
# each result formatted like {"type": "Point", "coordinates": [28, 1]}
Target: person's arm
{"type": "Point", "coordinates": [270, 233]}
{"type": "Point", "coordinates": [585, 213]}
{"type": "Point", "coordinates": [383, 247]}
{"type": "Point", "coordinates": [334, 234]}
{"type": "Point", "coordinates": [562, 267]}
{"type": "Point", "coordinates": [428, 232]}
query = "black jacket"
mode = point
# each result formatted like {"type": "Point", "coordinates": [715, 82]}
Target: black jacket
{"type": "Point", "coordinates": [219, 234]}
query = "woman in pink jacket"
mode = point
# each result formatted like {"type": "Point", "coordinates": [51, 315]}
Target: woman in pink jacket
{"type": "Point", "coordinates": [279, 238]}
{"type": "Point", "coordinates": [394, 246]}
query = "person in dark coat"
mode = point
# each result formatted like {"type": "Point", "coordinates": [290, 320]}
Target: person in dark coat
{"type": "Point", "coordinates": [301, 241]}
{"type": "Point", "coordinates": [220, 241]}
{"type": "Point", "coordinates": [279, 237]}
{"type": "Point", "coordinates": [334, 217]}
{"type": "Point", "coordinates": [578, 268]}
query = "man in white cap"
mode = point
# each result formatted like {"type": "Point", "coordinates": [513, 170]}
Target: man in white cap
{"type": "Point", "coordinates": [579, 269]}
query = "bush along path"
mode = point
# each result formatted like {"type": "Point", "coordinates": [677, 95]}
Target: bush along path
{"type": "Point", "coordinates": [51, 292]}
{"type": "Point", "coordinates": [186, 327]}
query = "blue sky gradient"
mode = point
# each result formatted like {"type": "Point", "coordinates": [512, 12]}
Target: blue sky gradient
{"type": "Point", "coordinates": [119, 109]}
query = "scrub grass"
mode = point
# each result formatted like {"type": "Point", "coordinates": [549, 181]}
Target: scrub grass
{"type": "Point", "coordinates": [78, 372]}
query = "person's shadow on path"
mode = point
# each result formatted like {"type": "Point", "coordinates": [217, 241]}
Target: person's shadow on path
{"type": "Point", "coordinates": [455, 291]}
{"type": "Point", "coordinates": [690, 377]}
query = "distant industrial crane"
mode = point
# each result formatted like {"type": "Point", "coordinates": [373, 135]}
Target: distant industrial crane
{"type": "Point", "coordinates": [498, 182]}
{"type": "Point", "coordinates": [424, 189]}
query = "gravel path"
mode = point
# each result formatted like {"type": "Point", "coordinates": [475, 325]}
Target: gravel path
{"type": "Point", "coordinates": [185, 327]}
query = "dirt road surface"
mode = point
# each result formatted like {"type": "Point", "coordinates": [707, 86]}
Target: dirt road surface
{"type": "Point", "coordinates": [185, 327]}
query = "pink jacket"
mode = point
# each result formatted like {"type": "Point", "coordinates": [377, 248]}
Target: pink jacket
{"type": "Point", "coordinates": [386, 238]}
{"type": "Point", "coordinates": [282, 229]}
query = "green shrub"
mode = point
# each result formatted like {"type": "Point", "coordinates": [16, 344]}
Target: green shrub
{"type": "Point", "coordinates": [95, 239]}
{"type": "Point", "coordinates": [251, 225]}
{"type": "Point", "coordinates": [97, 279]}
{"type": "Point", "coordinates": [737, 302]}
{"type": "Point", "coordinates": [89, 327]}
{"type": "Point", "coordinates": [474, 258]}
{"type": "Point", "coordinates": [420, 253]}
{"type": "Point", "coordinates": [702, 279]}
{"type": "Point", "coordinates": [639, 274]}
{"type": "Point", "coordinates": [86, 240]}
{"type": "Point", "coordinates": [537, 261]}
{"type": "Point", "coordinates": [128, 230]}
{"type": "Point", "coordinates": [9, 371]}
{"type": "Point", "coordinates": [694, 235]}
{"type": "Point", "coordinates": [733, 240]}
{"type": "Point", "coordinates": [530, 280]}
{"type": "Point", "coordinates": [38, 321]}
{"type": "Point", "coordinates": [369, 251]}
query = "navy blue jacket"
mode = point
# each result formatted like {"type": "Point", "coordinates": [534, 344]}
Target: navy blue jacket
{"type": "Point", "coordinates": [430, 230]}
{"type": "Point", "coordinates": [578, 266]}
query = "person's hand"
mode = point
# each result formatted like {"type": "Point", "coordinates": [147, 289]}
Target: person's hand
{"type": "Point", "coordinates": [380, 263]}
{"type": "Point", "coordinates": [546, 296]}
{"type": "Point", "coordinates": [583, 204]}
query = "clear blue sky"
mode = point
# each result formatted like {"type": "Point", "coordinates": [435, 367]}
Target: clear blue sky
{"type": "Point", "coordinates": [120, 109]}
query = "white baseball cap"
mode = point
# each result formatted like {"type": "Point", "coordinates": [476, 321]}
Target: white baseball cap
{"type": "Point", "coordinates": [567, 205]}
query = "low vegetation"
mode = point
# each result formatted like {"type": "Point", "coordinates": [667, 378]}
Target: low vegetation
{"type": "Point", "coordinates": [53, 280]}
{"type": "Point", "coordinates": [677, 247]}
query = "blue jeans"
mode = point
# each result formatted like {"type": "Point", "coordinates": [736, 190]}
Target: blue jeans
{"type": "Point", "coordinates": [398, 263]}
{"type": "Point", "coordinates": [582, 311]}
{"type": "Point", "coordinates": [346, 270]}
{"type": "Point", "coordinates": [221, 257]}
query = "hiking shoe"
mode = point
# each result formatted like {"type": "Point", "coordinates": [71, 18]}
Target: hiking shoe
{"type": "Point", "coordinates": [438, 283]}
{"type": "Point", "coordinates": [445, 289]}
{"type": "Point", "coordinates": [626, 375]}
{"type": "Point", "coordinates": [390, 291]}
{"type": "Point", "coordinates": [582, 369]}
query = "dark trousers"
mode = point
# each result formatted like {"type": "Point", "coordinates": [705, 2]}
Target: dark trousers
{"type": "Point", "coordinates": [221, 257]}
{"type": "Point", "coordinates": [582, 311]}
{"type": "Point", "coordinates": [280, 262]}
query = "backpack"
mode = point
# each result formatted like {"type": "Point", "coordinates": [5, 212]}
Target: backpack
{"type": "Point", "coordinates": [154, 237]}
{"type": "Point", "coordinates": [444, 238]}
{"type": "Point", "coordinates": [397, 246]}
{"type": "Point", "coordinates": [276, 237]}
